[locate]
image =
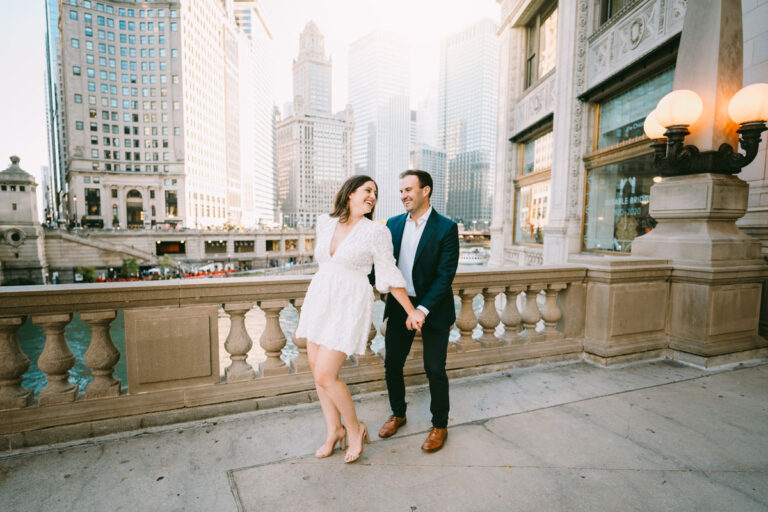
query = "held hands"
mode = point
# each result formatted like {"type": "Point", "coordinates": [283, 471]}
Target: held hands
{"type": "Point", "coordinates": [415, 320]}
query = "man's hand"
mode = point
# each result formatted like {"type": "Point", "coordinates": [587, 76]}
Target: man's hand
{"type": "Point", "coordinates": [415, 320]}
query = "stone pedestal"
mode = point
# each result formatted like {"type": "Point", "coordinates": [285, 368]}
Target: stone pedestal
{"type": "Point", "coordinates": [696, 217]}
{"type": "Point", "coordinates": [626, 314]}
{"type": "Point", "coordinates": [718, 272]}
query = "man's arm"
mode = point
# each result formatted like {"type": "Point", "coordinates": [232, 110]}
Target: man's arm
{"type": "Point", "coordinates": [446, 270]}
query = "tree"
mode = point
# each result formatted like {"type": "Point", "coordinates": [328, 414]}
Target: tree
{"type": "Point", "coordinates": [166, 262]}
{"type": "Point", "coordinates": [88, 273]}
{"type": "Point", "coordinates": [130, 268]}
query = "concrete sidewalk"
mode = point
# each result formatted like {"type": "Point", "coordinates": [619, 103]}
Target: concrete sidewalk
{"type": "Point", "coordinates": [656, 436]}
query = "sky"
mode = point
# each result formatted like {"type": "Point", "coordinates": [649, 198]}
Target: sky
{"type": "Point", "coordinates": [423, 22]}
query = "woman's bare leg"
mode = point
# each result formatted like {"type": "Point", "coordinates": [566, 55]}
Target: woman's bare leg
{"type": "Point", "coordinates": [326, 372]}
{"type": "Point", "coordinates": [330, 412]}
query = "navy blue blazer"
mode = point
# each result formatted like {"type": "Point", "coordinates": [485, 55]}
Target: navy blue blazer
{"type": "Point", "coordinates": [434, 267]}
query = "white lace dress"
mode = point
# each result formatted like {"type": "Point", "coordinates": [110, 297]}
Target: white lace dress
{"type": "Point", "coordinates": [338, 306]}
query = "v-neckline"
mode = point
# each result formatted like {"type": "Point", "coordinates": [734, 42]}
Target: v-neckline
{"type": "Point", "coordinates": [333, 235]}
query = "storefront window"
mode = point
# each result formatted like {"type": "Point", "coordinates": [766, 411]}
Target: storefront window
{"type": "Point", "coordinates": [622, 116]}
{"type": "Point", "coordinates": [531, 213]}
{"type": "Point", "coordinates": [617, 204]}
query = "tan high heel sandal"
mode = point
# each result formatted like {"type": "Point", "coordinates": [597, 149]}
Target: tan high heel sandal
{"type": "Point", "coordinates": [348, 458]}
{"type": "Point", "coordinates": [342, 440]}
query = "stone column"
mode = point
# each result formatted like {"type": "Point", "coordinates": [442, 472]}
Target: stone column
{"type": "Point", "coordinates": [511, 316]}
{"type": "Point", "coordinates": [238, 344]}
{"type": "Point", "coordinates": [56, 360]}
{"type": "Point", "coordinates": [13, 364]}
{"type": "Point", "coordinates": [301, 362]}
{"type": "Point", "coordinates": [562, 235]}
{"type": "Point", "coordinates": [531, 314]}
{"type": "Point", "coordinates": [102, 355]}
{"type": "Point", "coordinates": [273, 339]}
{"type": "Point", "coordinates": [489, 318]}
{"type": "Point", "coordinates": [466, 321]}
{"type": "Point", "coordinates": [509, 39]}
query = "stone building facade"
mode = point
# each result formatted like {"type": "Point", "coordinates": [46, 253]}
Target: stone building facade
{"type": "Point", "coordinates": [577, 80]}
{"type": "Point", "coordinates": [22, 250]}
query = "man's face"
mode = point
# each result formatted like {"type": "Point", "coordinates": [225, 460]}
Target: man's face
{"type": "Point", "coordinates": [414, 198]}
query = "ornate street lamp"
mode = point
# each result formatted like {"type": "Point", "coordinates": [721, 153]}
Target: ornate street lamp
{"type": "Point", "coordinates": [668, 126]}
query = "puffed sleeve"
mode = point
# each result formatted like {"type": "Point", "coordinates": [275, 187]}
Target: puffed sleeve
{"type": "Point", "coordinates": [387, 274]}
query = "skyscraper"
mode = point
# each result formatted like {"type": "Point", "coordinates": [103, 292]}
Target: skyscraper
{"type": "Point", "coordinates": [312, 71]}
{"type": "Point", "coordinates": [314, 147]}
{"type": "Point", "coordinates": [257, 117]}
{"type": "Point", "coordinates": [431, 159]}
{"type": "Point", "coordinates": [379, 82]}
{"type": "Point", "coordinates": [146, 93]}
{"type": "Point", "coordinates": [55, 180]}
{"type": "Point", "coordinates": [467, 97]}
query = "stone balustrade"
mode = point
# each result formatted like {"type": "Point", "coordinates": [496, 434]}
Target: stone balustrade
{"type": "Point", "coordinates": [526, 316]}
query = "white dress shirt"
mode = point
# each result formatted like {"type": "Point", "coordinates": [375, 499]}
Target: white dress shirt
{"type": "Point", "coordinates": [414, 228]}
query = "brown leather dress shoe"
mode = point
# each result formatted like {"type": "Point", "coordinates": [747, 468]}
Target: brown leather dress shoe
{"type": "Point", "coordinates": [391, 425]}
{"type": "Point", "coordinates": [435, 439]}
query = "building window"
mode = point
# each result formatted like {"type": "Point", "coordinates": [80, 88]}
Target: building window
{"type": "Point", "coordinates": [532, 189]}
{"type": "Point", "coordinates": [621, 117]}
{"type": "Point", "coordinates": [617, 204]}
{"type": "Point", "coordinates": [78, 98]}
{"type": "Point", "coordinates": [215, 247]}
{"type": "Point", "coordinates": [167, 247]}
{"type": "Point", "coordinates": [75, 43]}
{"type": "Point", "coordinates": [171, 204]}
{"type": "Point", "coordinates": [78, 125]}
{"type": "Point", "coordinates": [93, 201]}
{"type": "Point", "coordinates": [609, 8]}
{"type": "Point", "coordinates": [541, 44]}
{"type": "Point", "coordinates": [537, 154]}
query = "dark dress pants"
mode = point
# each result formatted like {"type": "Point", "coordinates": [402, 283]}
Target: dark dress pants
{"type": "Point", "coordinates": [398, 342]}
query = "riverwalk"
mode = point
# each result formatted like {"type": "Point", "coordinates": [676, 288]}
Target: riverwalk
{"type": "Point", "coordinates": [651, 436]}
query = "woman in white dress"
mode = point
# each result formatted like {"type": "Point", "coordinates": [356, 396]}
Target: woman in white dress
{"type": "Point", "coordinates": [336, 315]}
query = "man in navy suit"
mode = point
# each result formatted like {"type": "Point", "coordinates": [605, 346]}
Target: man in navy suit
{"type": "Point", "coordinates": [426, 247]}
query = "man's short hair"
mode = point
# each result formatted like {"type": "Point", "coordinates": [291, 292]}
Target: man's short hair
{"type": "Point", "coordinates": [425, 180]}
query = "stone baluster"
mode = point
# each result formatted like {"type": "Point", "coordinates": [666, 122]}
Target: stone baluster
{"type": "Point", "coordinates": [13, 364]}
{"type": "Point", "coordinates": [238, 343]}
{"type": "Point", "coordinates": [531, 314]}
{"type": "Point", "coordinates": [550, 312]}
{"type": "Point", "coordinates": [466, 321]}
{"type": "Point", "coordinates": [511, 316]}
{"type": "Point", "coordinates": [273, 339]}
{"type": "Point", "coordinates": [301, 362]}
{"type": "Point", "coordinates": [489, 318]}
{"type": "Point", "coordinates": [102, 355]}
{"type": "Point", "coordinates": [370, 357]}
{"type": "Point", "coordinates": [56, 360]}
